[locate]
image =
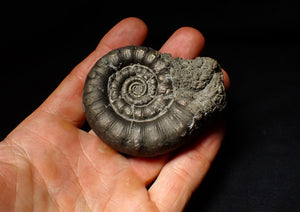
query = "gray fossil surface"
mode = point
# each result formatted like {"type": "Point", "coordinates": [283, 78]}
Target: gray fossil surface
{"type": "Point", "coordinates": [145, 103]}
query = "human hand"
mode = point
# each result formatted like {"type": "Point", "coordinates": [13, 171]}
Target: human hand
{"type": "Point", "coordinates": [49, 163]}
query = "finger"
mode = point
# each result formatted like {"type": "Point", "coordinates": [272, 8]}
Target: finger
{"type": "Point", "coordinates": [65, 101]}
{"type": "Point", "coordinates": [182, 175]}
{"type": "Point", "coordinates": [186, 42]}
{"type": "Point", "coordinates": [226, 80]}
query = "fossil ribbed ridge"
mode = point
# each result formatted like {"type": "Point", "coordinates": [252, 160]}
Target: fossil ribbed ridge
{"type": "Point", "coordinates": [145, 103]}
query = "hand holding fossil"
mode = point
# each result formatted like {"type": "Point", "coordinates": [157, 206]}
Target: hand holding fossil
{"type": "Point", "coordinates": [49, 163]}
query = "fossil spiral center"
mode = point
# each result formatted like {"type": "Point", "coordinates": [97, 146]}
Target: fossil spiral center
{"type": "Point", "coordinates": [134, 88]}
{"type": "Point", "coordinates": [138, 84]}
{"type": "Point", "coordinates": [133, 93]}
{"type": "Point", "coordinates": [137, 89]}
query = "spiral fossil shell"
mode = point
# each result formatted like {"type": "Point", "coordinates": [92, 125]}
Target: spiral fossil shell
{"type": "Point", "coordinates": [144, 103]}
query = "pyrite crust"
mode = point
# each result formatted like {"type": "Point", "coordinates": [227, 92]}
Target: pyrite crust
{"type": "Point", "coordinates": [145, 103]}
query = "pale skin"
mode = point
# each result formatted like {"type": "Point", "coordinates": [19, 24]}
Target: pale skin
{"type": "Point", "coordinates": [48, 163]}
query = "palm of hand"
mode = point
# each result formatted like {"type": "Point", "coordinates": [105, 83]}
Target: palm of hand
{"type": "Point", "coordinates": [47, 162]}
{"type": "Point", "coordinates": [70, 169]}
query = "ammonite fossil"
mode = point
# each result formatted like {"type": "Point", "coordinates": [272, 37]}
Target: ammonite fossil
{"type": "Point", "coordinates": [145, 103]}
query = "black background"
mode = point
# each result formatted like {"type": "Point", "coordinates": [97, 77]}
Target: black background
{"type": "Point", "coordinates": [257, 43]}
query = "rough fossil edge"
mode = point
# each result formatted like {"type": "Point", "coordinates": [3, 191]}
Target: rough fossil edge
{"type": "Point", "coordinates": [197, 85]}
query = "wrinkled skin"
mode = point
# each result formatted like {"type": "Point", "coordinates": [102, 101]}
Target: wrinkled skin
{"type": "Point", "coordinates": [49, 163]}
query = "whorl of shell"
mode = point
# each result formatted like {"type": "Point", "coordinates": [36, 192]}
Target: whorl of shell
{"type": "Point", "coordinates": [143, 103]}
